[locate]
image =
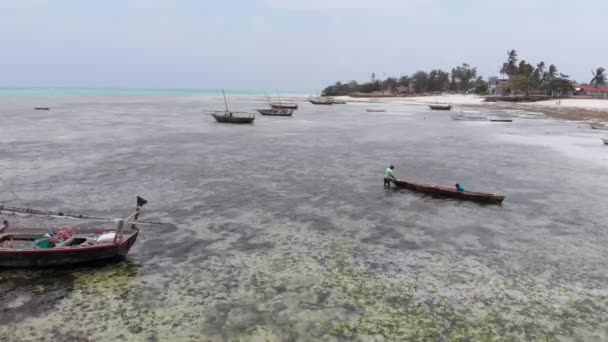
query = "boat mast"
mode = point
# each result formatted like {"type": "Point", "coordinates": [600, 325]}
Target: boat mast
{"type": "Point", "coordinates": [225, 102]}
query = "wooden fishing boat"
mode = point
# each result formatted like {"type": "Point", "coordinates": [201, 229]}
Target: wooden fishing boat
{"type": "Point", "coordinates": [501, 120]}
{"type": "Point", "coordinates": [469, 118]}
{"type": "Point", "coordinates": [375, 110]}
{"type": "Point", "coordinates": [321, 100]}
{"type": "Point", "coordinates": [445, 191]}
{"type": "Point", "coordinates": [45, 247]}
{"type": "Point", "coordinates": [227, 116]}
{"type": "Point", "coordinates": [276, 112]}
{"type": "Point", "coordinates": [599, 127]}
{"type": "Point", "coordinates": [605, 141]}
{"type": "Point", "coordinates": [441, 107]}
{"type": "Point", "coordinates": [42, 108]}
{"type": "Point", "coordinates": [283, 105]}
{"type": "Point", "coordinates": [337, 101]}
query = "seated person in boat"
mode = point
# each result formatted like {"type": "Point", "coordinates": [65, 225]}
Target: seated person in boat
{"type": "Point", "coordinates": [389, 176]}
{"type": "Point", "coordinates": [460, 188]}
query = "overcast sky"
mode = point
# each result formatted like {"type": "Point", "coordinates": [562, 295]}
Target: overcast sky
{"type": "Point", "coordinates": [297, 45]}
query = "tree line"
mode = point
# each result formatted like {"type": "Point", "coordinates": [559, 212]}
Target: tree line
{"type": "Point", "coordinates": [523, 77]}
{"type": "Point", "coordinates": [462, 78]}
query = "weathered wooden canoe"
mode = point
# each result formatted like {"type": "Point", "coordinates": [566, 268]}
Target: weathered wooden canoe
{"type": "Point", "coordinates": [441, 107]}
{"type": "Point", "coordinates": [282, 105]}
{"type": "Point", "coordinates": [599, 127]}
{"type": "Point", "coordinates": [321, 100]}
{"type": "Point", "coordinates": [276, 112]}
{"type": "Point", "coordinates": [17, 248]}
{"type": "Point", "coordinates": [42, 108]}
{"type": "Point", "coordinates": [375, 110]}
{"type": "Point", "coordinates": [605, 141]}
{"type": "Point", "coordinates": [501, 120]}
{"type": "Point", "coordinates": [230, 118]}
{"type": "Point", "coordinates": [445, 191]}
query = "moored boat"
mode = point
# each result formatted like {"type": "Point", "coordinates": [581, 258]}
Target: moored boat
{"type": "Point", "coordinates": [45, 247]}
{"type": "Point", "coordinates": [605, 140]}
{"type": "Point", "coordinates": [284, 105]}
{"type": "Point", "coordinates": [445, 191]}
{"type": "Point", "coordinates": [321, 100]}
{"type": "Point", "coordinates": [501, 120]}
{"type": "Point", "coordinates": [441, 107]}
{"type": "Point", "coordinates": [599, 127]}
{"type": "Point", "coordinates": [469, 118]}
{"type": "Point", "coordinates": [375, 110]}
{"type": "Point", "coordinates": [229, 117]}
{"type": "Point", "coordinates": [276, 112]}
{"type": "Point", "coordinates": [42, 108]}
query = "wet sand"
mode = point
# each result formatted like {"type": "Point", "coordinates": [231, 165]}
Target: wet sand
{"type": "Point", "coordinates": [281, 231]}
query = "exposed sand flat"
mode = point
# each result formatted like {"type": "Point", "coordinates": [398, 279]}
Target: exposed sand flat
{"type": "Point", "coordinates": [574, 103]}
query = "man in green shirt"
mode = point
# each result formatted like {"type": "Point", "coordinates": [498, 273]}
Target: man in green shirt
{"type": "Point", "coordinates": [389, 176]}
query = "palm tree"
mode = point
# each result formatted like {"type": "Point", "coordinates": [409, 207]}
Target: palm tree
{"type": "Point", "coordinates": [510, 67]}
{"type": "Point", "coordinates": [599, 78]}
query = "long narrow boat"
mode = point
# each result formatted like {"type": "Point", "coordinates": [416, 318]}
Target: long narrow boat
{"type": "Point", "coordinates": [375, 110]}
{"type": "Point", "coordinates": [445, 191]}
{"type": "Point", "coordinates": [501, 120]}
{"type": "Point", "coordinates": [469, 118]}
{"type": "Point", "coordinates": [45, 247]}
{"type": "Point", "coordinates": [605, 140]}
{"type": "Point", "coordinates": [276, 112]}
{"type": "Point", "coordinates": [605, 128]}
{"type": "Point", "coordinates": [227, 116]}
{"type": "Point", "coordinates": [321, 100]}
{"type": "Point", "coordinates": [284, 105]}
{"type": "Point", "coordinates": [441, 107]}
{"type": "Point", "coordinates": [42, 108]}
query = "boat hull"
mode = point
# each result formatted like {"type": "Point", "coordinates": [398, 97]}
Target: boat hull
{"type": "Point", "coordinates": [60, 256]}
{"type": "Point", "coordinates": [444, 191]}
{"type": "Point", "coordinates": [276, 112]}
{"type": "Point", "coordinates": [233, 119]}
{"type": "Point", "coordinates": [440, 107]}
{"type": "Point", "coordinates": [501, 120]}
{"type": "Point", "coordinates": [284, 106]}
{"type": "Point", "coordinates": [605, 141]}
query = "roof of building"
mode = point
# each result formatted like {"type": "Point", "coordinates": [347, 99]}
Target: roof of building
{"type": "Point", "coordinates": [591, 89]}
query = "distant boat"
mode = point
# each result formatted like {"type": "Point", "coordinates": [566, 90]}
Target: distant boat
{"type": "Point", "coordinates": [284, 105]}
{"type": "Point", "coordinates": [501, 120]}
{"type": "Point", "coordinates": [605, 141]}
{"type": "Point", "coordinates": [452, 192]}
{"type": "Point", "coordinates": [42, 108]}
{"type": "Point", "coordinates": [599, 127]}
{"type": "Point", "coordinates": [375, 110]}
{"type": "Point", "coordinates": [469, 118]}
{"type": "Point", "coordinates": [321, 100]}
{"type": "Point", "coordinates": [276, 112]}
{"type": "Point", "coordinates": [339, 101]}
{"type": "Point", "coordinates": [441, 107]}
{"type": "Point", "coordinates": [228, 116]}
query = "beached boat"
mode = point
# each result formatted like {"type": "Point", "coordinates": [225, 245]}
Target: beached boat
{"type": "Point", "coordinates": [321, 100]}
{"type": "Point", "coordinates": [441, 107]}
{"type": "Point", "coordinates": [44, 247]}
{"type": "Point", "coordinates": [599, 127]}
{"type": "Point", "coordinates": [469, 118]}
{"type": "Point", "coordinates": [375, 110]}
{"type": "Point", "coordinates": [445, 191]}
{"type": "Point", "coordinates": [227, 116]}
{"type": "Point", "coordinates": [42, 108]}
{"type": "Point", "coordinates": [605, 140]}
{"type": "Point", "coordinates": [276, 112]}
{"type": "Point", "coordinates": [284, 105]}
{"type": "Point", "coordinates": [337, 101]}
{"type": "Point", "coordinates": [501, 120]}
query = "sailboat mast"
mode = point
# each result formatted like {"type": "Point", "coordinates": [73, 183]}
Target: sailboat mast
{"type": "Point", "coordinates": [225, 102]}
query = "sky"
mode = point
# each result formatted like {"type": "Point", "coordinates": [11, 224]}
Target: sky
{"type": "Point", "coordinates": [287, 45]}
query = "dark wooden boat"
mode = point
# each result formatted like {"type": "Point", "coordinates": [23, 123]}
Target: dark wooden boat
{"type": "Point", "coordinates": [321, 100]}
{"type": "Point", "coordinates": [281, 105]}
{"type": "Point", "coordinates": [501, 120]}
{"type": "Point", "coordinates": [469, 118]}
{"type": "Point", "coordinates": [605, 141]}
{"type": "Point", "coordinates": [42, 108]}
{"type": "Point", "coordinates": [599, 127]}
{"type": "Point", "coordinates": [229, 117]}
{"type": "Point", "coordinates": [441, 107]}
{"type": "Point", "coordinates": [276, 112]}
{"type": "Point", "coordinates": [40, 247]}
{"type": "Point", "coordinates": [445, 191]}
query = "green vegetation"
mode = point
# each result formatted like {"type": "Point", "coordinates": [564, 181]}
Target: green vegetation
{"type": "Point", "coordinates": [599, 78]}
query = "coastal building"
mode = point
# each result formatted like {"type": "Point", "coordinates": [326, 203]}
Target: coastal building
{"type": "Point", "coordinates": [596, 93]}
{"type": "Point", "coordinates": [497, 86]}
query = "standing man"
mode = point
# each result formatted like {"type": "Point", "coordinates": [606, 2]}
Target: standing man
{"type": "Point", "coordinates": [389, 176]}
